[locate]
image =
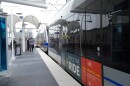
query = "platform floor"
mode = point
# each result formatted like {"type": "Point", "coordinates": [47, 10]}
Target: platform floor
{"type": "Point", "coordinates": [36, 69]}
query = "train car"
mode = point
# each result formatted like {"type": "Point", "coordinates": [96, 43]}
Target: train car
{"type": "Point", "coordinates": [42, 38]}
{"type": "Point", "coordinates": [91, 40]}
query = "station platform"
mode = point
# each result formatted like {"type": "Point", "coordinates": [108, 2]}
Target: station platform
{"type": "Point", "coordinates": [37, 69]}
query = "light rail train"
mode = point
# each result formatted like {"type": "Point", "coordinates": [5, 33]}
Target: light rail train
{"type": "Point", "coordinates": [92, 41]}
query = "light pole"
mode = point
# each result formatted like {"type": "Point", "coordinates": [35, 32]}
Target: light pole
{"type": "Point", "coordinates": [23, 30]}
{"type": "Point", "coordinates": [23, 36]}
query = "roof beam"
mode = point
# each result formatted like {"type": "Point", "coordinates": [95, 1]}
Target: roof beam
{"type": "Point", "coordinates": [26, 3]}
{"type": "Point", "coordinates": [26, 28]}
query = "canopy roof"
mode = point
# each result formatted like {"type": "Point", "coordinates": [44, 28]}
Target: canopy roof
{"type": "Point", "coordinates": [33, 20]}
{"type": "Point", "coordinates": [35, 3]}
{"type": "Point", "coordinates": [16, 19]}
{"type": "Point", "coordinates": [30, 19]}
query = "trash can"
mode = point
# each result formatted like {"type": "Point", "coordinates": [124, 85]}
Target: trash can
{"type": "Point", "coordinates": [17, 49]}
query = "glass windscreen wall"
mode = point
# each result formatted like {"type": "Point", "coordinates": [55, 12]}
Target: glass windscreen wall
{"type": "Point", "coordinates": [3, 59]}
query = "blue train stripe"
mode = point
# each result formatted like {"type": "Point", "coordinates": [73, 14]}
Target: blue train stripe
{"type": "Point", "coordinates": [114, 82]}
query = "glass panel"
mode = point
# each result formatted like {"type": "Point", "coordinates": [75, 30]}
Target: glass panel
{"type": "Point", "coordinates": [116, 44]}
{"type": "Point", "coordinates": [106, 35]}
{"type": "Point", "coordinates": [92, 32]}
{"type": "Point", "coordinates": [3, 63]}
{"type": "Point", "coordinates": [64, 38]}
{"type": "Point", "coordinates": [73, 34]}
{"type": "Point", "coordinates": [54, 39]}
